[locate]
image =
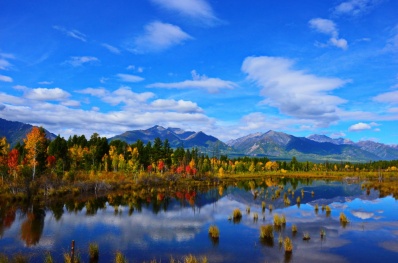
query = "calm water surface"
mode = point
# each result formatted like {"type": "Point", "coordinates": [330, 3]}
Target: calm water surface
{"type": "Point", "coordinates": [159, 227]}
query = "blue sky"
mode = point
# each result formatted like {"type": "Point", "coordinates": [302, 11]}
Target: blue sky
{"type": "Point", "coordinates": [228, 68]}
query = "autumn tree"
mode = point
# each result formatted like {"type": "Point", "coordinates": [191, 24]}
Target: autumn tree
{"type": "Point", "coordinates": [36, 146]}
{"type": "Point", "coordinates": [4, 147]}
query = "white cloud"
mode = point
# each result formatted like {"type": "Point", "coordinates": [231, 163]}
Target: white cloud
{"type": "Point", "coordinates": [55, 94]}
{"type": "Point", "coordinates": [71, 103]}
{"type": "Point", "coordinates": [96, 92]}
{"type": "Point", "coordinates": [355, 7]}
{"type": "Point", "coordinates": [129, 78]}
{"type": "Point", "coordinates": [112, 49]}
{"type": "Point", "coordinates": [72, 33]}
{"type": "Point", "coordinates": [212, 85]}
{"type": "Point", "coordinates": [179, 106]}
{"type": "Point", "coordinates": [159, 36]}
{"type": "Point", "coordinates": [336, 135]}
{"type": "Point", "coordinates": [388, 97]}
{"type": "Point", "coordinates": [4, 64]}
{"type": "Point", "coordinates": [78, 61]}
{"type": "Point", "coordinates": [46, 82]}
{"type": "Point", "coordinates": [5, 78]}
{"type": "Point", "coordinates": [294, 92]}
{"type": "Point", "coordinates": [360, 127]}
{"type": "Point", "coordinates": [328, 27]}
{"type": "Point", "coordinates": [392, 42]}
{"type": "Point", "coordinates": [199, 10]}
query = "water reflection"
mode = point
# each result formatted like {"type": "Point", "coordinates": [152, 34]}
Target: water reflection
{"type": "Point", "coordinates": [150, 223]}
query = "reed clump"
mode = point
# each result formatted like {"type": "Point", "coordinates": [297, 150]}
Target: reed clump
{"type": "Point", "coordinates": [93, 251]}
{"type": "Point", "coordinates": [214, 232]}
{"type": "Point", "coordinates": [306, 236]}
{"type": "Point", "coordinates": [266, 231]}
{"type": "Point", "coordinates": [294, 228]}
{"type": "Point", "coordinates": [343, 219]}
{"type": "Point", "coordinates": [288, 244]}
{"type": "Point", "coordinates": [237, 215]}
{"type": "Point", "coordinates": [120, 258]}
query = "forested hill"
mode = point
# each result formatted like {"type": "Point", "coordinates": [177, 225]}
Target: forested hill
{"type": "Point", "coordinates": [16, 131]}
{"type": "Point", "coordinates": [271, 144]}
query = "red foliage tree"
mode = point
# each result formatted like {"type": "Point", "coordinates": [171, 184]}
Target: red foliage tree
{"type": "Point", "coordinates": [12, 161]}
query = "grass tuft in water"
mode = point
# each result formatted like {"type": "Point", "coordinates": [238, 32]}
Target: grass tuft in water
{"type": "Point", "coordinates": [306, 236]}
{"type": "Point", "coordinates": [93, 251]}
{"type": "Point", "coordinates": [323, 233]}
{"type": "Point", "coordinates": [120, 258]}
{"type": "Point", "coordinates": [343, 219]}
{"type": "Point", "coordinates": [47, 259]}
{"type": "Point", "coordinates": [237, 215]}
{"type": "Point", "coordinates": [266, 231]}
{"type": "Point", "coordinates": [294, 228]}
{"type": "Point", "coordinates": [214, 232]}
{"type": "Point", "coordinates": [288, 244]}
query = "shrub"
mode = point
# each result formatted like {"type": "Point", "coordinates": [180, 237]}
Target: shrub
{"type": "Point", "coordinates": [288, 244]}
{"type": "Point", "coordinates": [214, 232]}
{"type": "Point", "coordinates": [266, 231]}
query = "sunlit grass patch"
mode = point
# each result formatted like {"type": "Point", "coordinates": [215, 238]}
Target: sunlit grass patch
{"type": "Point", "coordinates": [120, 258]}
{"type": "Point", "coordinates": [266, 231]}
{"type": "Point", "coordinates": [288, 244]}
{"type": "Point", "coordinates": [93, 251]}
{"type": "Point", "coordinates": [214, 232]}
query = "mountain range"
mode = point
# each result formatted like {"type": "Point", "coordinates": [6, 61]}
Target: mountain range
{"type": "Point", "coordinates": [272, 144]}
{"type": "Point", "coordinates": [15, 131]}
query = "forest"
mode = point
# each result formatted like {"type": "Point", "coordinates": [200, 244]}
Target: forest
{"type": "Point", "coordinates": [79, 159]}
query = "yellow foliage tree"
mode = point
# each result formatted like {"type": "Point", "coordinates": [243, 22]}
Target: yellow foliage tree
{"type": "Point", "coordinates": [35, 143]}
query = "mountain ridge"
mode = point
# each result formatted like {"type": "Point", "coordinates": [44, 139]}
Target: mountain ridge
{"type": "Point", "coordinates": [272, 144]}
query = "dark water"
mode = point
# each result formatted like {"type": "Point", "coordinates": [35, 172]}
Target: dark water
{"type": "Point", "coordinates": [178, 226]}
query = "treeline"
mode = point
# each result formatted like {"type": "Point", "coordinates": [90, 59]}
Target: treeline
{"type": "Point", "coordinates": [63, 158]}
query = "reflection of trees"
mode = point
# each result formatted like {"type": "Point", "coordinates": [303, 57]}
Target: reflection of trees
{"type": "Point", "coordinates": [32, 227]}
{"type": "Point", "coordinates": [58, 210]}
{"type": "Point", "coordinates": [7, 218]}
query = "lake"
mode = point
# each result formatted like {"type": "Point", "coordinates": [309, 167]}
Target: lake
{"type": "Point", "coordinates": [159, 223]}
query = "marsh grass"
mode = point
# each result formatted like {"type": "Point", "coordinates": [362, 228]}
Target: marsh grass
{"type": "Point", "coordinates": [343, 219]}
{"type": "Point", "coordinates": [48, 258]}
{"type": "Point", "coordinates": [248, 210]}
{"type": "Point", "coordinates": [120, 258]}
{"type": "Point", "coordinates": [277, 221]}
{"type": "Point", "coordinates": [270, 207]}
{"type": "Point", "coordinates": [255, 217]}
{"type": "Point", "coordinates": [214, 232]}
{"type": "Point", "coordinates": [263, 205]}
{"type": "Point", "coordinates": [288, 244]}
{"type": "Point", "coordinates": [93, 251]}
{"type": "Point", "coordinates": [266, 231]}
{"type": "Point", "coordinates": [306, 236]}
{"type": "Point", "coordinates": [323, 233]}
{"type": "Point", "coordinates": [294, 229]}
{"type": "Point", "coordinates": [237, 215]}
{"type": "Point", "coordinates": [68, 258]}
{"type": "Point", "coordinates": [316, 208]}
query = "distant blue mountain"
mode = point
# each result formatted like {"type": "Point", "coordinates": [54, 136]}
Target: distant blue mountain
{"type": "Point", "coordinates": [16, 131]}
